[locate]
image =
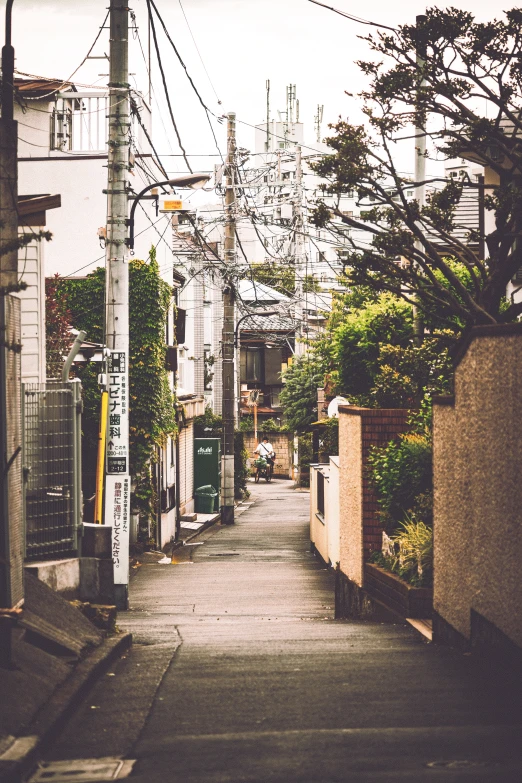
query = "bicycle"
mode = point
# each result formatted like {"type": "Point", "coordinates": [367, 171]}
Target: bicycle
{"type": "Point", "coordinates": [264, 470]}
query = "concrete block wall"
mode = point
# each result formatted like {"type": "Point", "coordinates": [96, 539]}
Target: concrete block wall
{"type": "Point", "coordinates": [283, 445]}
{"type": "Point", "coordinates": [478, 494]}
{"type": "Point", "coordinates": [360, 527]}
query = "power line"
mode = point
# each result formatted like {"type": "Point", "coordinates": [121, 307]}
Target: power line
{"type": "Point", "coordinates": [75, 70]}
{"type": "Point", "coordinates": [136, 112]}
{"type": "Point", "coordinates": [352, 17]}
{"type": "Point", "coordinates": [205, 107]}
{"type": "Point", "coordinates": [199, 53]}
{"type": "Point", "coordinates": [165, 88]}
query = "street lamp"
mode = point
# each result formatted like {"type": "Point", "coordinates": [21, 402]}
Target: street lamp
{"type": "Point", "coordinates": [193, 181]}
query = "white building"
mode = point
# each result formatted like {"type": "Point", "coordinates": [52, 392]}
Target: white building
{"type": "Point", "coordinates": [62, 149]}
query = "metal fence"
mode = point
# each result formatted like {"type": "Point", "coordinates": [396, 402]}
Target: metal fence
{"type": "Point", "coordinates": [52, 468]}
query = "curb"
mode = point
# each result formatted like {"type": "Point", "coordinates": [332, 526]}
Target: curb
{"type": "Point", "coordinates": [205, 526]}
{"type": "Point", "coordinates": [21, 757]}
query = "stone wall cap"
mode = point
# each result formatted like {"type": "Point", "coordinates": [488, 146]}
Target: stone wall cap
{"type": "Point", "coordinates": [443, 399]}
{"type": "Point", "coordinates": [353, 410]}
{"type": "Point", "coordinates": [485, 330]}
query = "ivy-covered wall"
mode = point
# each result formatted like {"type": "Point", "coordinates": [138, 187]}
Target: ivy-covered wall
{"type": "Point", "coordinates": [152, 408]}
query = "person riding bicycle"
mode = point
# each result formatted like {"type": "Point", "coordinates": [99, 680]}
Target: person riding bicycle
{"type": "Point", "coordinates": [266, 450]}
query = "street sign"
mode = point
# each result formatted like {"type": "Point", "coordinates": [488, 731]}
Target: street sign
{"type": "Point", "coordinates": [172, 205]}
{"type": "Point", "coordinates": [117, 511]}
{"type": "Point", "coordinates": [118, 413]}
{"type": "Point", "coordinates": [117, 479]}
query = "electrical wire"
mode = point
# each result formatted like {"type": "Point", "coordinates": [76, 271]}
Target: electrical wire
{"type": "Point", "coordinates": [165, 88]}
{"type": "Point", "coordinates": [75, 70]}
{"type": "Point", "coordinates": [199, 53]}
{"type": "Point", "coordinates": [135, 111]}
{"type": "Point", "coordinates": [205, 107]}
{"type": "Point", "coordinates": [353, 18]}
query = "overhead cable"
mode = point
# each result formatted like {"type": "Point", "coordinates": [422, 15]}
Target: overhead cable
{"type": "Point", "coordinates": [200, 57]}
{"type": "Point", "coordinates": [167, 96]}
{"type": "Point", "coordinates": [352, 17]}
{"type": "Point", "coordinates": [205, 107]}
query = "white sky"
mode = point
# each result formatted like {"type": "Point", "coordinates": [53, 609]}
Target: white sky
{"type": "Point", "coordinates": [242, 42]}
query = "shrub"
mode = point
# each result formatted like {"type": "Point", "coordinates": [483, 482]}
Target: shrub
{"type": "Point", "coordinates": [401, 473]}
{"type": "Point", "coordinates": [415, 556]}
{"type": "Point", "coordinates": [409, 553]}
{"type": "Point", "coordinates": [305, 458]}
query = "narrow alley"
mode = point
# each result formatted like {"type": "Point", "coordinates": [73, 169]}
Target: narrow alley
{"type": "Point", "coordinates": [240, 674]}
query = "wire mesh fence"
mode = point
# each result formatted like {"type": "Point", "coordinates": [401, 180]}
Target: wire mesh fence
{"type": "Point", "coordinates": [52, 487]}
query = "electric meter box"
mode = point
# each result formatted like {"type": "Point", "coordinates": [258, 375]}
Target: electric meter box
{"type": "Point", "coordinates": [207, 466]}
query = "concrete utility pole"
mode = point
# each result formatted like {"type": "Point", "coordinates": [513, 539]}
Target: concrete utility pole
{"type": "Point", "coordinates": [420, 172]}
{"type": "Point", "coordinates": [227, 344]}
{"type": "Point", "coordinates": [300, 256]}
{"type": "Point", "coordinates": [11, 524]}
{"type": "Point", "coordinates": [117, 479]}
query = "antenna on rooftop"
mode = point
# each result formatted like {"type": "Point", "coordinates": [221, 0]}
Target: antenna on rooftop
{"type": "Point", "coordinates": [267, 143]}
{"type": "Point", "coordinates": [318, 122]}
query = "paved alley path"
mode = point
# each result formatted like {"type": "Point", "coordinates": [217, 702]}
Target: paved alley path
{"type": "Point", "coordinates": [239, 674]}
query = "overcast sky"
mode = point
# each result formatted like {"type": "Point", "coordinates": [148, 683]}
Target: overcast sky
{"type": "Point", "coordinates": [242, 43]}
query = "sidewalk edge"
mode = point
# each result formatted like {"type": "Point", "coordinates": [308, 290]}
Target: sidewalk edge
{"type": "Point", "coordinates": [196, 533]}
{"type": "Point", "coordinates": [63, 702]}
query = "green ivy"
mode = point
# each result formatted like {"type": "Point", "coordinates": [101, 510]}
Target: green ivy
{"type": "Point", "coordinates": [152, 403]}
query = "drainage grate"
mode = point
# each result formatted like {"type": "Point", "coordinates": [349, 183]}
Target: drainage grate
{"type": "Point", "coordinates": [224, 554]}
{"type": "Point", "coordinates": [82, 770]}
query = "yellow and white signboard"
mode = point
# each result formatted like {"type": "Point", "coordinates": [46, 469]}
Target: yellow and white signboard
{"type": "Point", "coordinates": [172, 205]}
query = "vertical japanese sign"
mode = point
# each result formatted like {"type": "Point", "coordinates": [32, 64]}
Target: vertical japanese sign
{"type": "Point", "coordinates": [118, 424]}
{"type": "Point", "coordinates": [117, 512]}
{"type": "Point", "coordinates": [117, 480]}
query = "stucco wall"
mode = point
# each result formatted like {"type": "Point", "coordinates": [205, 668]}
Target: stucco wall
{"type": "Point", "coordinates": [478, 486]}
{"type": "Point", "coordinates": [319, 532]}
{"type": "Point", "coordinates": [334, 512]}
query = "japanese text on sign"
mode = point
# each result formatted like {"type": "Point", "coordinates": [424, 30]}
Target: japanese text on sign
{"type": "Point", "coordinates": [117, 425]}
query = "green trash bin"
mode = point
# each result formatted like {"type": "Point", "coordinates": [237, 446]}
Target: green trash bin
{"type": "Point", "coordinates": [205, 497]}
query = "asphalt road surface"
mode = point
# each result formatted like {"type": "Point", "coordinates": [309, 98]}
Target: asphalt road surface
{"type": "Point", "coordinates": [240, 674]}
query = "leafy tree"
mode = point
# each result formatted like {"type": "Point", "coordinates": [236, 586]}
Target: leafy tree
{"type": "Point", "coordinates": [370, 356]}
{"type": "Point", "coordinates": [58, 336]}
{"type": "Point", "coordinates": [299, 395]}
{"type": "Point", "coordinates": [356, 341]}
{"type": "Point", "coordinates": [467, 100]}
{"type": "Point", "coordinates": [280, 277]}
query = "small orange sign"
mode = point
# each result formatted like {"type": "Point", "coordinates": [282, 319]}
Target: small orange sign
{"type": "Point", "coordinates": [172, 205]}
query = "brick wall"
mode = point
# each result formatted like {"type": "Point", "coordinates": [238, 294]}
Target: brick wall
{"type": "Point", "coordinates": [283, 445]}
{"type": "Point", "coordinates": [378, 428]}
{"type": "Point", "coordinates": [360, 528]}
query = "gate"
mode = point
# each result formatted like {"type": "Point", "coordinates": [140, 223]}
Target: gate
{"type": "Point", "coordinates": [52, 468]}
